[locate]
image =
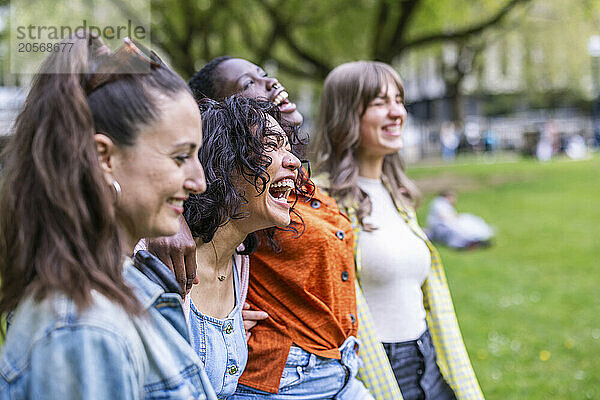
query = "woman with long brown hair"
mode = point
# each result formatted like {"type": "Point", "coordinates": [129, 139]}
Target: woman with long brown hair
{"type": "Point", "coordinates": [356, 142]}
{"type": "Point", "coordinates": [102, 155]}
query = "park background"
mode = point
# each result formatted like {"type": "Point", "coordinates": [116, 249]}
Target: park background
{"type": "Point", "coordinates": [515, 83]}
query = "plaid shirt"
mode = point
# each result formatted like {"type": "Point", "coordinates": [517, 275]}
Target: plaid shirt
{"type": "Point", "coordinates": [452, 357]}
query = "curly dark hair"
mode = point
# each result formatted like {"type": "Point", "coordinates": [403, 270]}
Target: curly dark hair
{"type": "Point", "coordinates": [206, 81]}
{"type": "Point", "coordinates": [236, 138]}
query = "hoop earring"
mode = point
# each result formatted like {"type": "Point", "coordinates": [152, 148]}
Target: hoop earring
{"type": "Point", "coordinates": [117, 188]}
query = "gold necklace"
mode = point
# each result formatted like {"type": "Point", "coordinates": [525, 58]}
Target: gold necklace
{"type": "Point", "coordinates": [220, 276]}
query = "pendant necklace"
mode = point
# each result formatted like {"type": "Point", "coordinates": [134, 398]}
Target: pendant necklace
{"type": "Point", "coordinates": [220, 276]}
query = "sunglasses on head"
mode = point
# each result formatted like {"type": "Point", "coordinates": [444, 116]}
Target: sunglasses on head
{"type": "Point", "coordinates": [131, 58]}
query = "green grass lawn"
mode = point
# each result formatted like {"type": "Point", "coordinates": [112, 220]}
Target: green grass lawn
{"type": "Point", "coordinates": [529, 306]}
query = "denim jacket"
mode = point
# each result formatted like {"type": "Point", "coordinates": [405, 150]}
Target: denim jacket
{"type": "Point", "coordinates": [53, 351]}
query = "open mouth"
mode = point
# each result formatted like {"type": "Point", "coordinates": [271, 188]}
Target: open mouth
{"type": "Point", "coordinates": [281, 189]}
{"type": "Point", "coordinates": [176, 202]}
{"type": "Point", "coordinates": [281, 98]}
{"type": "Point", "coordinates": [284, 104]}
{"type": "Point", "coordinates": [393, 130]}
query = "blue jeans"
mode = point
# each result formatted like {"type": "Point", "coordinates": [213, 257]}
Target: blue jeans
{"type": "Point", "coordinates": [307, 376]}
{"type": "Point", "coordinates": [416, 370]}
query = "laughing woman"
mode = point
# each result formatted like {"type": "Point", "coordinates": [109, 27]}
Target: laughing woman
{"type": "Point", "coordinates": [250, 173]}
{"type": "Point", "coordinates": [98, 160]}
{"type": "Point", "coordinates": [356, 141]}
{"type": "Point", "coordinates": [305, 347]}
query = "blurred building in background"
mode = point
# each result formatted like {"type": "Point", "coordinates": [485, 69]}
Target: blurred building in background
{"type": "Point", "coordinates": [526, 83]}
{"type": "Point", "coordinates": [501, 91]}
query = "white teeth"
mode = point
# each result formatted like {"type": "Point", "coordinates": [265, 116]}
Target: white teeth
{"type": "Point", "coordinates": [176, 203]}
{"type": "Point", "coordinates": [284, 183]}
{"type": "Point", "coordinates": [280, 97]}
{"type": "Point", "coordinates": [394, 127]}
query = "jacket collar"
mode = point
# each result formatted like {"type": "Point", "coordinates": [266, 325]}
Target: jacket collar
{"type": "Point", "coordinates": [145, 290]}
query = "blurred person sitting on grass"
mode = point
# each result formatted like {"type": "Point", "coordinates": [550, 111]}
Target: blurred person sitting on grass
{"type": "Point", "coordinates": [458, 231]}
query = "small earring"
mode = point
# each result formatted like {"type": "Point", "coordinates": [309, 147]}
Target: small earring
{"type": "Point", "coordinates": [117, 188]}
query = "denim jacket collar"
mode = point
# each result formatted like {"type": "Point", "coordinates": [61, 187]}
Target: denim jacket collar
{"type": "Point", "coordinates": [145, 290]}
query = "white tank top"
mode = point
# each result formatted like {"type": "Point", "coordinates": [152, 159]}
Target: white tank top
{"type": "Point", "coordinates": [395, 263]}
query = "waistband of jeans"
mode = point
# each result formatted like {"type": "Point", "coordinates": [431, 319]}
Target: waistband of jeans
{"type": "Point", "coordinates": [299, 356]}
{"type": "Point", "coordinates": [425, 339]}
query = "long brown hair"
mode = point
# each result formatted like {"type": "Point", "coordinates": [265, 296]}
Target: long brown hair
{"type": "Point", "coordinates": [58, 231]}
{"type": "Point", "coordinates": [347, 91]}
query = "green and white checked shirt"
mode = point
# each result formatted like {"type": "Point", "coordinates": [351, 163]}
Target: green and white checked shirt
{"type": "Point", "coordinates": [452, 357]}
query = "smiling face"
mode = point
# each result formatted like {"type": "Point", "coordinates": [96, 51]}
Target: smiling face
{"type": "Point", "coordinates": [160, 170]}
{"type": "Point", "coordinates": [271, 207]}
{"type": "Point", "coordinates": [243, 77]}
{"type": "Point", "coordinates": [381, 123]}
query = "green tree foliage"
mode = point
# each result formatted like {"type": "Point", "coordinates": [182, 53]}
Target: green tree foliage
{"type": "Point", "coordinates": [308, 37]}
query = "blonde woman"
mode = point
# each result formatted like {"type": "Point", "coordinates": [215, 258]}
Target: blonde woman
{"type": "Point", "coordinates": [356, 142]}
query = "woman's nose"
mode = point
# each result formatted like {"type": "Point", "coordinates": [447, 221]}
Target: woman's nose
{"type": "Point", "coordinates": [397, 110]}
{"type": "Point", "coordinates": [196, 181]}
{"type": "Point", "coordinates": [290, 161]}
{"type": "Point", "coordinates": [272, 83]}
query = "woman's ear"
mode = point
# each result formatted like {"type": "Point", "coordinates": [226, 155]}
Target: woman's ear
{"type": "Point", "coordinates": [106, 150]}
